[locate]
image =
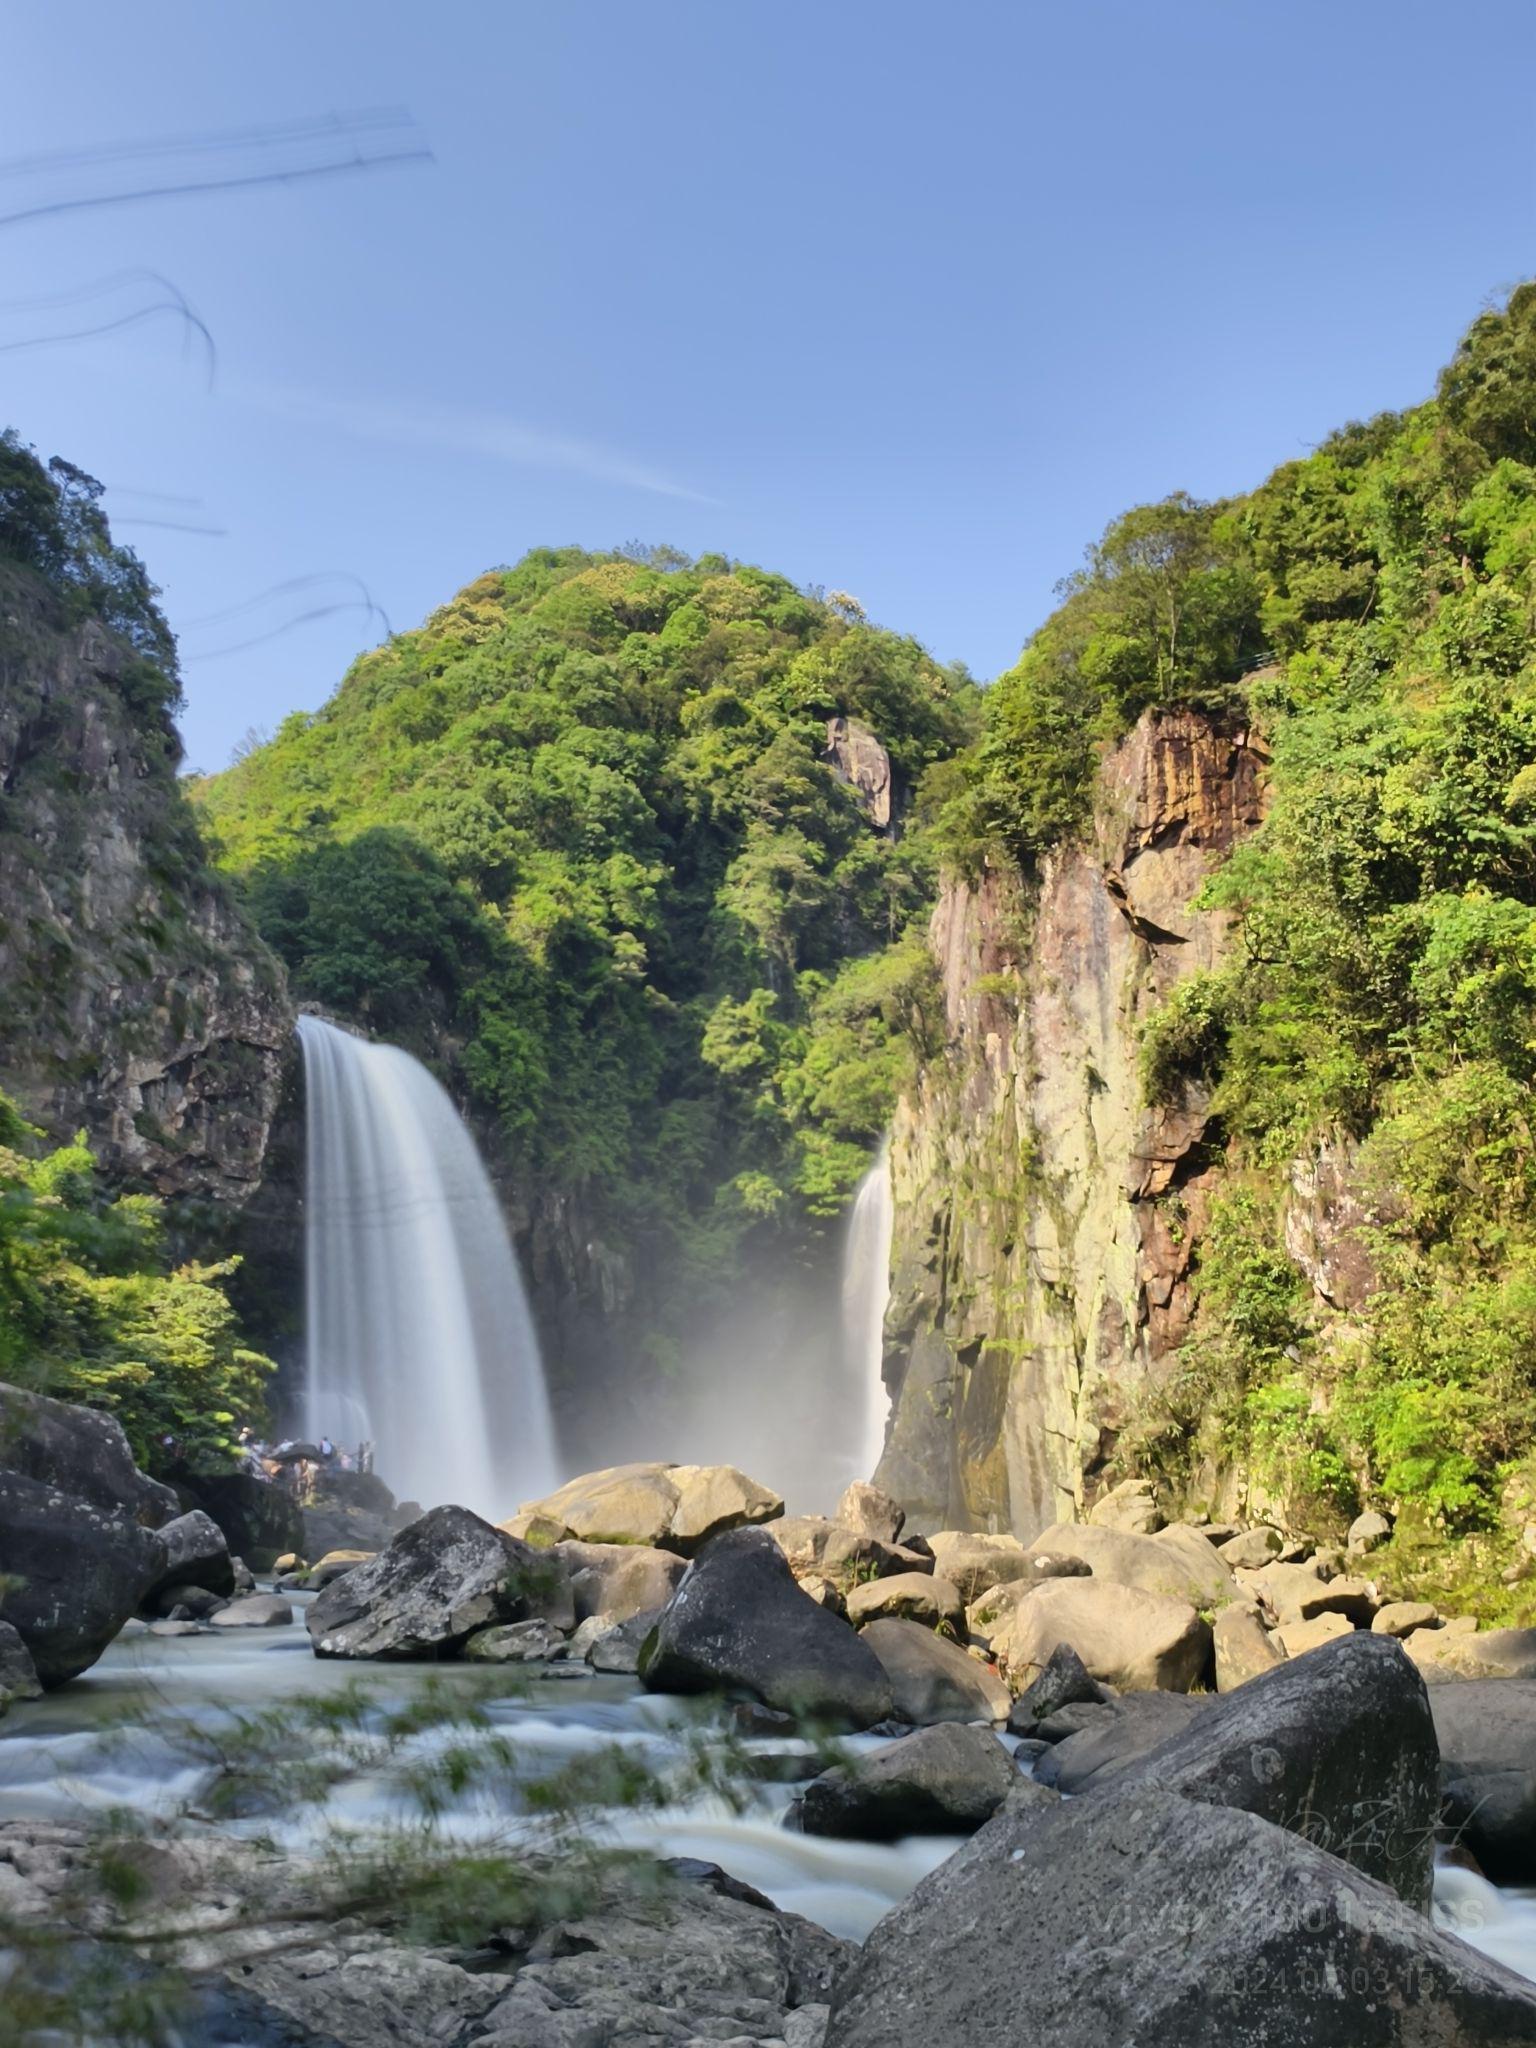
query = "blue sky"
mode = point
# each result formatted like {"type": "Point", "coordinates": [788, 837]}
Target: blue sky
{"type": "Point", "coordinates": [896, 298]}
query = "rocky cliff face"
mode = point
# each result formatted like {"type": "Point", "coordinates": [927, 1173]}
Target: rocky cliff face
{"type": "Point", "coordinates": [1046, 1216]}
{"type": "Point", "coordinates": [135, 1001]}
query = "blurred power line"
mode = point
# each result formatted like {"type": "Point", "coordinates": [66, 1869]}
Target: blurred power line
{"type": "Point", "coordinates": [122, 173]}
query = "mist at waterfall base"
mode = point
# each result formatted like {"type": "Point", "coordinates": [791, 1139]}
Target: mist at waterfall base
{"type": "Point", "coordinates": [418, 1333]}
{"type": "Point", "coordinates": [785, 1384]}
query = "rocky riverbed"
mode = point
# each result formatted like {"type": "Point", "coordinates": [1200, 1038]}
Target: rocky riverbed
{"type": "Point", "coordinates": [653, 1763]}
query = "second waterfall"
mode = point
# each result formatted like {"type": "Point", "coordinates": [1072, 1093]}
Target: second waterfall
{"type": "Point", "coordinates": [419, 1337]}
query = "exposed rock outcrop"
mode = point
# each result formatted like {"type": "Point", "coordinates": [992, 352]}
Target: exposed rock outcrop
{"type": "Point", "coordinates": [136, 1003]}
{"type": "Point", "coordinates": [1046, 1217]}
{"type": "Point", "coordinates": [1137, 1916]}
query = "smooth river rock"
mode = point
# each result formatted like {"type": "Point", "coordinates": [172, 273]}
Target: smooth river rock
{"type": "Point", "coordinates": [933, 1680]}
{"type": "Point", "coordinates": [1136, 1919]}
{"type": "Point", "coordinates": [1487, 1733]}
{"type": "Point", "coordinates": [944, 1780]}
{"type": "Point", "coordinates": [1130, 1639]}
{"type": "Point", "coordinates": [908, 1596]}
{"type": "Point", "coordinates": [1177, 1562]}
{"type": "Point", "coordinates": [619, 1579]}
{"type": "Point", "coordinates": [196, 1554]}
{"type": "Point", "coordinates": [738, 1622]}
{"type": "Point", "coordinates": [667, 1507]}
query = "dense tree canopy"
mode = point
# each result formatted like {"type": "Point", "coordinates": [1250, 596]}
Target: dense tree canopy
{"type": "Point", "coordinates": [580, 835]}
{"type": "Point", "coordinates": [1373, 607]}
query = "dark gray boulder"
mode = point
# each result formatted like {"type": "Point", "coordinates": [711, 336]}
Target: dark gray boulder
{"type": "Point", "coordinates": [739, 1623]}
{"type": "Point", "coordinates": [260, 1519]}
{"type": "Point", "coordinates": [439, 1581]}
{"type": "Point", "coordinates": [1137, 1917]}
{"type": "Point", "coordinates": [1065, 1682]}
{"type": "Point", "coordinates": [196, 1554]}
{"type": "Point", "coordinates": [1338, 1746]}
{"type": "Point", "coordinates": [1092, 1741]}
{"type": "Point", "coordinates": [74, 1573]}
{"type": "Point", "coordinates": [80, 1452]}
{"type": "Point", "coordinates": [933, 1680]}
{"type": "Point", "coordinates": [1487, 1733]}
{"type": "Point", "coordinates": [78, 1548]}
{"type": "Point", "coordinates": [944, 1780]}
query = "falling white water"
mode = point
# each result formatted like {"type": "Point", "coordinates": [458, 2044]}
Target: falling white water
{"type": "Point", "coordinates": [419, 1337]}
{"type": "Point", "coordinates": [866, 1292]}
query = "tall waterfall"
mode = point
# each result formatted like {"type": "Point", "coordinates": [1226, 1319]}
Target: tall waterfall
{"type": "Point", "coordinates": [866, 1292]}
{"type": "Point", "coordinates": [419, 1337]}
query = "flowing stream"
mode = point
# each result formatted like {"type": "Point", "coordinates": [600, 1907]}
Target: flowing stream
{"type": "Point", "coordinates": [866, 1295]}
{"type": "Point", "coordinates": [134, 1733]}
{"type": "Point", "coordinates": [419, 1338]}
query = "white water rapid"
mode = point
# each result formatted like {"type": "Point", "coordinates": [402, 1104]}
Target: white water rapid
{"type": "Point", "coordinates": [866, 1293]}
{"type": "Point", "coordinates": [419, 1337]}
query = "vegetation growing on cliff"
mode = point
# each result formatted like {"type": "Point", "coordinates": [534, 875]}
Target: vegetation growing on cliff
{"type": "Point", "coordinates": [582, 834]}
{"type": "Point", "coordinates": [1382, 991]}
{"type": "Point", "coordinates": [90, 1312]}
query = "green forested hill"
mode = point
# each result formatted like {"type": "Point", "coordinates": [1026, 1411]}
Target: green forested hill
{"type": "Point", "coordinates": [577, 836]}
{"type": "Point", "coordinates": [1372, 607]}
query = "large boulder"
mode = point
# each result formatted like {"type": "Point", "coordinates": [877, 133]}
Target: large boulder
{"type": "Point", "coordinates": [1487, 1734]}
{"type": "Point", "coordinates": [933, 1680]}
{"type": "Point", "coordinates": [1468, 1653]}
{"type": "Point", "coordinates": [1339, 1747]}
{"type": "Point", "coordinates": [77, 1552]}
{"type": "Point", "coordinates": [1244, 1648]}
{"type": "Point", "coordinates": [196, 1554]}
{"type": "Point", "coordinates": [1133, 1640]}
{"type": "Point", "coordinates": [944, 1780]}
{"type": "Point", "coordinates": [871, 1511]}
{"type": "Point", "coordinates": [739, 1623]}
{"type": "Point", "coordinates": [668, 1507]}
{"type": "Point", "coordinates": [619, 1579]}
{"type": "Point", "coordinates": [976, 1563]}
{"type": "Point", "coordinates": [1064, 1681]}
{"type": "Point", "coordinates": [1178, 1561]}
{"type": "Point", "coordinates": [1298, 1592]}
{"type": "Point", "coordinates": [1137, 1917]}
{"type": "Point", "coordinates": [440, 1580]}
{"type": "Point", "coordinates": [1131, 1506]}
{"type": "Point", "coordinates": [714, 1498]}
{"type": "Point", "coordinates": [260, 1519]}
{"type": "Point", "coordinates": [80, 1452]}
{"type": "Point", "coordinates": [1094, 1742]}
{"type": "Point", "coordinates": [908, 1596]}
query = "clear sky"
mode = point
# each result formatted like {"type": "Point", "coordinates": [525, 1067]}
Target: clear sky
{"type": "Point", "coordinates": [900, 298]}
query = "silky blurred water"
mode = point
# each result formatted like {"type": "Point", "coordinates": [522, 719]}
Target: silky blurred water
{"type": "Point", "coordinates": [118, 1738]}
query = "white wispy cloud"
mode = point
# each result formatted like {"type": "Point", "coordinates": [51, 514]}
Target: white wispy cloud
{"type": "Point", "coordinates": [460, 430]}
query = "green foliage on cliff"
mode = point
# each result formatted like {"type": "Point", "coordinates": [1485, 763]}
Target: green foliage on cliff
{"type": "Point", "coordinates": [89, 1311]}
{"type": "Point", "coordinates": [1381, 993]}
{"type": "Point", "coordinates": [51, 521]}
{"type": "Point", "coordinates": [581, 837]}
